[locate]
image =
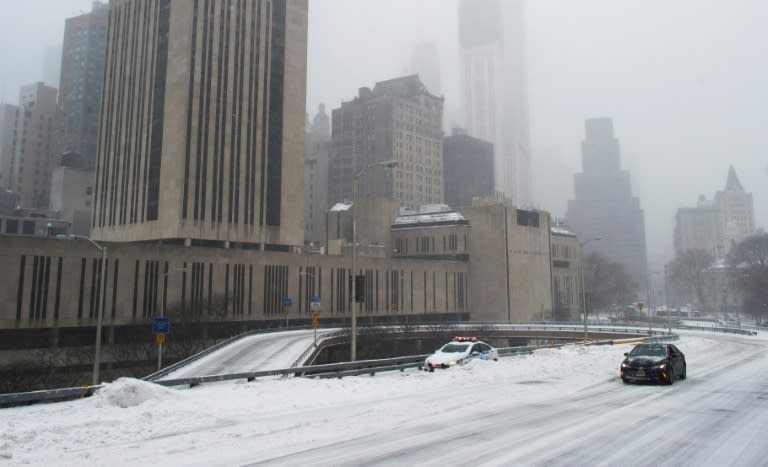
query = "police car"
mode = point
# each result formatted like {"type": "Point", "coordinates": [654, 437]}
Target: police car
{"type": "Point", "coordinates": [460, 351]}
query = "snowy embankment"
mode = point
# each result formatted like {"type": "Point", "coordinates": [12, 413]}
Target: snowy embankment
{"type": "Point", "coordinates": [131, 421]}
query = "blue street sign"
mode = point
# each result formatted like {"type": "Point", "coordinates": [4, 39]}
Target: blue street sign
{"type": "Point", "coordinates": [287, 302]}
{"type": "Point", "coordinates": [314, 299]}
{"type": "Point", "coordinates": [161, 325]}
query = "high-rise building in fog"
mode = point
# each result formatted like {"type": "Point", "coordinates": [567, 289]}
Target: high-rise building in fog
{"type": "Point", "coordinates": [82, 69]}
{"type": "Point", "coordinates": [317, 150]}
{"type": "Point", "coordinates": [400, 120]}
{"type": "Point", "coordinates": [34, 150]}
{"type": "Point", "coordinates": [736, 210]}
{"type": "Point", "coordinates": [425, 62]}
{"type": "Point", "coordinates": [467, 169]}
{"type": "Point", "coordinates": [7, 133]}
{"type": "Point", "coordinates": [201, 134]}
{"type": "Point", "coordinates": [603, 206]}
{"type": "Point", "coordinates": [493, 82]}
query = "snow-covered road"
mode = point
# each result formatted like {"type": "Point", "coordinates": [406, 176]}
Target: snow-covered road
{"type": "Point", "coordinates": [268, 351]}
{"type": "Point", "coordinates": [554, 407]}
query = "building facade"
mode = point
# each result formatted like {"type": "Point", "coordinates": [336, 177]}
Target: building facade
{"type": "Point", "coordinates": [81, 76]}
{"type": "Point", "coordinates": [700, 228]}
{"type": "Point", "coordinates": [33, 154]}
{"type": "Point", "coordinates": [603, 206]}
{"type": "Point", "coordinates": [207, 147]}
{"type": "Point", "coordinates": [72, 193]}
{"type": "Point", "coordinates": [397, 120]}
{"type": "Point", "coordinates": [467, 169]}
{"type": "Point", "coordinates": [8, 114]}
{"type": "Point", "coordinates": [566, 276]}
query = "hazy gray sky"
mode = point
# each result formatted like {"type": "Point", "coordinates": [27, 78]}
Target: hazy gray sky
{"type": "Point", "coordinates": [686, 82]}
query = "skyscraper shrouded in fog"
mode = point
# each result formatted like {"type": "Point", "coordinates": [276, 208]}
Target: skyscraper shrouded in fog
{"type": "Point", "coordinates": [202, 126]}
{"type": "Point", "coordinates": [603, 206]}
{"type": "Point", "coordinates": [81, 73]}
{"type": "Point", "coordinates": [494, 89]}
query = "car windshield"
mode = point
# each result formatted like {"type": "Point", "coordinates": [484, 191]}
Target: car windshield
{"type": "Point", "coordinates": [648, 351]}
{"type": "Point", "coordinates": [454, 348]}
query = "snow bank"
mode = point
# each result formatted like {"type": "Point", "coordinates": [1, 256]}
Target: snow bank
{"type": "Point", "coordinates": [131, 392]}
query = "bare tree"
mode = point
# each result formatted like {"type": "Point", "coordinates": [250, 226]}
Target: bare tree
{"type": "Point", "coordinates": [749, 273]}
{"type": "Point", "coordinates": [607, 283]}
{"type": "Point", "coordinates": [687, 276]}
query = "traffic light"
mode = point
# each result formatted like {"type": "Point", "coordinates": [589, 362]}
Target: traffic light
{"type": "Point", "coordinates": [360, 288]}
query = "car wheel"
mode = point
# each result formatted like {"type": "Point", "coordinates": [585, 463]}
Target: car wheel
{"type": "Point", "coordinates": [670, 377]}
{"type": "Point", "coordinates": [685, 369]}
{"type": "Point", "coordinates": [625, 380]}
{"type": "Point", "coordinates": [495, 359]}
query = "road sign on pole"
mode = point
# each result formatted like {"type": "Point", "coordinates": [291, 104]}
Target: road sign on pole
{"type": "Point", "coordinates": [161, 325]}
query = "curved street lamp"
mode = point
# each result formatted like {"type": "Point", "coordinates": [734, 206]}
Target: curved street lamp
{"type": "Point", "coordinates": [100, 312]}
{"type": "Point", "coordinates": [388, 164]}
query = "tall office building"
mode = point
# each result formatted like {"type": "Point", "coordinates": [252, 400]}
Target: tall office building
{"type": "Point", "coordinates": [467, 168]}
{"type": "Point", "coordinates": [82, 69]}
{"type": "Point", "coordinates": [493, 84]}
{"type": "Point", "coordinates": [737, 212]}
{"type": "Point", "coordinates": [603, 206]}
{"type": "Point", "coordinates": [33, 153]}
{"type": "Point", "coordinates": [400, 120]}
{"type": "Point", "coordinates": [7, 133]}
{"type": "Point", "coordinates": [201, 135]}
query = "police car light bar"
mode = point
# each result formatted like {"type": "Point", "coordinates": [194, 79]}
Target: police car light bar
{"type": "Point", "coordinates": [465, 339]}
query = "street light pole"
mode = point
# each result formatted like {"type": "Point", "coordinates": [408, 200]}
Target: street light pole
{"type": "Point", "coordinates": [583, 288]}
{"type": "Point", "coordinates": [353, 322]}
{"type": "Point", "coordinates": [666, 299]}
{"type": "Point", "coordinates": [164, 277]}
{"type": "Point", "coordinates": [100, 307]}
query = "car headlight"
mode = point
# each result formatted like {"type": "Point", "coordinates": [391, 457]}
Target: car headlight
{"type": "Point", "coordinates": [624, 365]}
{"type": "Point", "coordinates": [661, 366]}
{"type": "Point", "coordinates": [452, 362]}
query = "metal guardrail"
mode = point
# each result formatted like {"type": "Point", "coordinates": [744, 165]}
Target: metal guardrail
{"type": "Point", "coordinates": [51, 395]}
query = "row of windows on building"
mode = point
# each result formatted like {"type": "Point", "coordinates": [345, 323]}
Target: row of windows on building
{"type": "Point", "coordinates": [426, 244]}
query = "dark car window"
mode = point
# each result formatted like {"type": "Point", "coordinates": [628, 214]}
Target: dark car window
{"type": "Point", "coordinates": [648, 351]}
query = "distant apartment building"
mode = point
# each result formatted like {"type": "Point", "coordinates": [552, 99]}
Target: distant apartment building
{"type": "Point", "coordinates": [317, 149]}
{"type": "Point", "coordinates": [467, 169]}
{"type": "Point", "coordinates": [201, 133]}
{"type": "Point", "coordinates": [29, 172]}
{"type": "Point", "coordinates": [7, 134]}
{"type": "Point", "coordinates": [699, 228]}
{"type": "Point", "coordinates": [400, 120]}
{"type": "Point", "coordinates": [603, 206]}
{"type": "Point", "coordinates": [81, 76]}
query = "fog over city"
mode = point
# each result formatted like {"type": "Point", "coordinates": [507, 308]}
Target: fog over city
{"type": "Point", "coordinates": [683, 81]}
